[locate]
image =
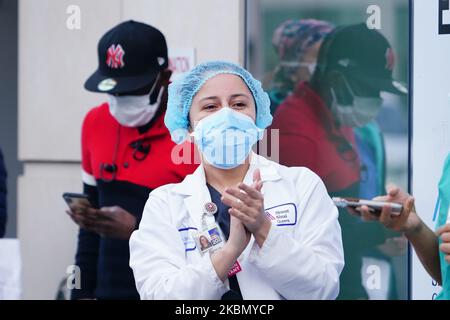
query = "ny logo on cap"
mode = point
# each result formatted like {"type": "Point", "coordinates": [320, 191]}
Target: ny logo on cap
{"type": "Point", "coordinates": [114, 57]}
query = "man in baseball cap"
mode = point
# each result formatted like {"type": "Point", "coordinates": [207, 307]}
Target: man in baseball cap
{"type": "Point", "coordinates": [126, 153]}
{"type": "Point", "coordinates": [364, 57]}
{"type": "Point", "coordinates": [130, 57]}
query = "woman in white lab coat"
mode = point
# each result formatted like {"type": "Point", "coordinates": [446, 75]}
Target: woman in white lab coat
{"type": "Point", "coordinates": [280, 230]}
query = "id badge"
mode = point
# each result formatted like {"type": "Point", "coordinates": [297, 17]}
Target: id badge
{"type": "Point", "coordinates": [210, 239]}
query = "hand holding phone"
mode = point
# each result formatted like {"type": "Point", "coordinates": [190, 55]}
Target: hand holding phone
{"type": "Point", "coordinates": [77, 201]}
{"type": "Point", "coordinates": [81, 210]}
{"type": "Point", "coordinates": [400, 218]}
{"type": "Point", "coordinates": [375, 207]}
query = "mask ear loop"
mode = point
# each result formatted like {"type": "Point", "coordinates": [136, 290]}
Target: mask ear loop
{"type": "Point", "coordinates": [347, 88]}
{"type": "Point", "coordinates": [159, 97]}
{"type": "Point", "coordinates": [151, 93]}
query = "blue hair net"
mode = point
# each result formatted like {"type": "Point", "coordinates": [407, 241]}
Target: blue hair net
{"type": "Point", "coordinates": [183, 90]}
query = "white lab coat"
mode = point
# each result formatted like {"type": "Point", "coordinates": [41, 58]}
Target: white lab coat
{"type": "Point", "coordinates": [301, 258]}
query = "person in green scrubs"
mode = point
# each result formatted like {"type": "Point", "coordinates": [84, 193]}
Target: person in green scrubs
{"type": "Point", "coordinates": [432, 248]}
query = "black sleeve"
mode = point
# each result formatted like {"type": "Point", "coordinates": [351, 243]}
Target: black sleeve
{"type": "Point", "coordinates": [87, 254]}
{"type": "Point", "coordinates": [3, 207]}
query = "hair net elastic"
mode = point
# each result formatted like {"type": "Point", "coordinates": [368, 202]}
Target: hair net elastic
{"type": "Point", "coordinates": [183, 90]}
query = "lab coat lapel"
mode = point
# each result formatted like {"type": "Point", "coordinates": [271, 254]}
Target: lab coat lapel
{"type": "Point", "coordinates": [268, 173]}
{"type": "Point", "coordinates": [267, 169]}
{"type": "Point", "coordinates": [196, 194]}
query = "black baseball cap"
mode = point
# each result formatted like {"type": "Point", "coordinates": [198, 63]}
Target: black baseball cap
{"type": "Point", "coordinates": [130, 57]}
{"type": "Point", "coordinates": [361, 54]}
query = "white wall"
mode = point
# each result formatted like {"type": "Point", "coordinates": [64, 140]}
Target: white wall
{"type": "Point", "coordinates": [431, 123]}
{"type": "Point", "coordinates": [47, 234]}
{"type": "Point", "coordinates": [53, 65]}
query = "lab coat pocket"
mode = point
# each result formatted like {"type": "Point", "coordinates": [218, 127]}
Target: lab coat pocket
{"type": "Point", "coordinates": [186, 234]}
{"type": "Point", "coordinates": [283, 215]}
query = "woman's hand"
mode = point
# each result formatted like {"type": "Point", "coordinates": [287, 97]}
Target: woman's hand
{"type": "Point", "coordinates": [239, 237]}
{"type": "Point", "coordinates": [247, 205]}
{"type": "Point", "coordinates": [444, 233]}
{"type": "Point", "coordinates": [424, 241]}
{"type": "Point", "coordinates": [223, 259]}
{"type": "Point", "coordinates": [407, 222]}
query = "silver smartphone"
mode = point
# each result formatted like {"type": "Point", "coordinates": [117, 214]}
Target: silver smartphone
{"type": "Point", "coordinates": [77, 200]}
{"type": "Point", "coordinates": [375, 207]}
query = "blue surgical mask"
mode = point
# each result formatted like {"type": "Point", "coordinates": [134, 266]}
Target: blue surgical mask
{"type": "Point", "coordinates": [226, 138]}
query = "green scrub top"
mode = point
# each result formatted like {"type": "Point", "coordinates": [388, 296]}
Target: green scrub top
{"type": "Point", "coordinates": [444, 198]}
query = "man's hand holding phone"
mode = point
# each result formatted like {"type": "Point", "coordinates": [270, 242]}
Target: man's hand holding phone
{"type": "Point", "coordinates": [81, 210]}
{"type": "Point", "coordinates": [113, 222]}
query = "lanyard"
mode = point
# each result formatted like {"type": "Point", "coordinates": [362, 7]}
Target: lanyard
{"type": "Point", "coordinates": [209, 210]}
{"type": "Point", "coordinates": [212, 237]}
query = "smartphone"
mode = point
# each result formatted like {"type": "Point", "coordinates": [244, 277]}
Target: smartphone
{"type": "Point", "coordinates": [77, 200]}
{"type": "Point", "coordinates": [375, 207]}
